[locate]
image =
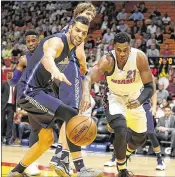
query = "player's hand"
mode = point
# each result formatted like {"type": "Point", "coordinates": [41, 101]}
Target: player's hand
{"type": "Point", "coordinates": [132, 104]}
{"type": "Point", "coordinates": [61, 77]}
{"type": "Point", "coordinates": [9, 75]}
{"type": "Point", "coordinates": [85, 103]}
{"type": "Point", "coordinates": [153, 111]}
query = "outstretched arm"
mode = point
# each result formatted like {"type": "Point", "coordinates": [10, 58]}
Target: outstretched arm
{"type": "Point", "coordinates": [17, 73]}
{"type": "Point", "coordinates": [52, 48]}
{"type": "Point", "coordinates": [105, 64]}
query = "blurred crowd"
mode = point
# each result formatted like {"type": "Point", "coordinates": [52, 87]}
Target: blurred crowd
{"type": "Point", "coordinates": [49, 17]}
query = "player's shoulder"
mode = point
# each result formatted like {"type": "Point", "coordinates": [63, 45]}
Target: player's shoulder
{"type": "Point", "coordinates": [139, 52]}
{"type": "Point", "coordinates": [55, 40]}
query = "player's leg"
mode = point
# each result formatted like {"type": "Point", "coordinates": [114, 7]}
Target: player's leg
{"type": "Point", "coordinates": [55, 160]}
{"type": "Point", "coordinates": [41, 115]}
{"type": "Point", "coordinates": [66, 113]}
{"type": "Point", "coordinates": [152, 136]}
{"type": "Point", "coordinates": [62, 151]}
{"type": "Point", "coordinates": [33, 168]}
{"type": "Point", "coordinates": [137, 127]}
{"type": "Point", "coordinates": [115, 115]}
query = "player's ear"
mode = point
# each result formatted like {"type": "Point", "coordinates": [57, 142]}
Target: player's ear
{"type": "Point", "coordinates": [70, 28]}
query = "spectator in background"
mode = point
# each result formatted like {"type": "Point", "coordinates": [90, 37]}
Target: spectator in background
{"type": "Point", "coordinates": [165, 129]}
{"type": "Point", "coordinates": [142, 27]}
{"type": "Point", "coordinates": [7, 110]}
{"type": "Point", "coordinates": [166, 19]}
{"type": "Point", "coordinates": [164, 73]}
{"type": "Point", "coordinates": [134, 29]}
{"type": "Point", "coordinates": [170, 101]}
{"type": "Point", "coordinates": [151, 41]}
{"type": "Point", "coordinates": [152, 27]}
{"type": "Point", "coordinates": [122, 15]}
{"type": "Point", "coordinates": [21, 123]}
{"type": "Point", "coordinates": [166, 52]}
{"type": "Point", "coordinates": [155, 13]}
{"type": "Point", "coordinates": [153, 52]}
{"type": "Point", "coordinates": [142, 47]}
{"type": "Point", "coordinates": [47, 32]}
{"type": "Point", "coordinates": [160, 25]}
{"type": "Point", "coordinates": [7, 51]}
{"type": "Point", "coordinates": [136, 15]}
{"type": "Point", "coordinates": [161, 93]}
{"type": "Point", "coordinates": [108, 36]}
{"type": "Point", "coordinates": [159, 35]}
{"type": "Point", "coordinates": [105, 23]}
{"type": "Point", "coordinates": [142, 8]}
{"type": "Point", "coordinates": [171, 87]}
{"type": "Point", "coordinates": [122, 27]}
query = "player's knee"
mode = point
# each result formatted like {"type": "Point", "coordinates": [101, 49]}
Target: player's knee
{"type": "Point", "coordinates": [46, 137]}
{"type": "Point", "coordinates": [137, 139]}
{"type": "Point", "coordinates": [119, 126]}
{"type": "Point", "coordinates": [153, 139]}
{"type": "Point", "coordinates": [118, 120]}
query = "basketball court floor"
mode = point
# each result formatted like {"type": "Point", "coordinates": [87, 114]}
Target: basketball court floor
{"type": "Point", "coordinates": [141, 166]}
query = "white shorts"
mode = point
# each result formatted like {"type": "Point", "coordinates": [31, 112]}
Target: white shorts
{"type": "Point", "coordinates": [135, 118]}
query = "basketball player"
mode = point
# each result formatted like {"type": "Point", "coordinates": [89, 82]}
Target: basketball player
{"type": "Point", "coordinates": [32, 41]}
{"type": "Point", "coordinates": [150, 132]}
{"type": "Point", "coordinates": [43, 108]}
{"type": "Point", "coordinates": [71, 95]}
{"type": "Point", "coordinates": [127, 71]}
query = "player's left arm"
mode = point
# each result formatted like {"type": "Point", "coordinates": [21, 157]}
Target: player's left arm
{"type": "Point", "coordinates": [147, 80]}
{"type": "Point", "coordinates": [154, 98]}
{"type": "Point", "coordinates": [80, 53]}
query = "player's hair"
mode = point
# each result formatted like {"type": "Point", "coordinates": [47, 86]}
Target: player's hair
{"type": "Point", "coordinates": [81, 7]}
{"type": "Point", "coordinates": [31, 32]}
{"type": "Point", "coordinates": [122, 37]}
{"type": "Point", "coordinates": [82, 20]}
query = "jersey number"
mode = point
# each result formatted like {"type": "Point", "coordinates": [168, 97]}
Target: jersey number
{"type": "Point", "coordinates": [131, 74]}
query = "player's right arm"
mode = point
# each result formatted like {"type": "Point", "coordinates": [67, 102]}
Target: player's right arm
{"type": "Point", "coordinates": [14, 77]}
{"type": "Point", "coordinates": [104, 65]}
{"type": "Point", "coordinates": [52, 49]}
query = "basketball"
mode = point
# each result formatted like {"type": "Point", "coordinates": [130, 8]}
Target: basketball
{"type": "Point", "coordinates": [81, 130]}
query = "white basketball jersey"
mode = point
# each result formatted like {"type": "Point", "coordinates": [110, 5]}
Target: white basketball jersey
{"type": "Point", "coordinates": [126, 81]}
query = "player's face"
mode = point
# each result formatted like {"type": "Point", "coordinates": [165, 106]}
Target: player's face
{"type": "Point", "coordinates": [88, 14]}
{"type": "Point", "coordinates": [122, 51]}
{"type": "Point", "coordinates": [78, 33]}
{"type": "Point", "coordinates": [32, 42]}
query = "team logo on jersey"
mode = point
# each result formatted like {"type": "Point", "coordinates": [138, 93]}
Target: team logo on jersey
{"type": "Point", "coordinates": [130, 78]}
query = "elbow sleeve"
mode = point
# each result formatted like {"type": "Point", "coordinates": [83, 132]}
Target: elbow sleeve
{"type": "Point", "coordinates": [146, 93]}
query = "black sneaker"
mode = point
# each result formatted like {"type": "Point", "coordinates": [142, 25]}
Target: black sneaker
{"type": "Point", "coordinates": [62, 170]}
{"type": "Point", "coordinates": [125, 173]}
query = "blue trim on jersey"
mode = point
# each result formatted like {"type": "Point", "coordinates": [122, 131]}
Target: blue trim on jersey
{"type": "Point", "coordinates": [75, 65]}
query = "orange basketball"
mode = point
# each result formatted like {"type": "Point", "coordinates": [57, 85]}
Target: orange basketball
{"type": "Point", "coordinates": [81, 130]}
